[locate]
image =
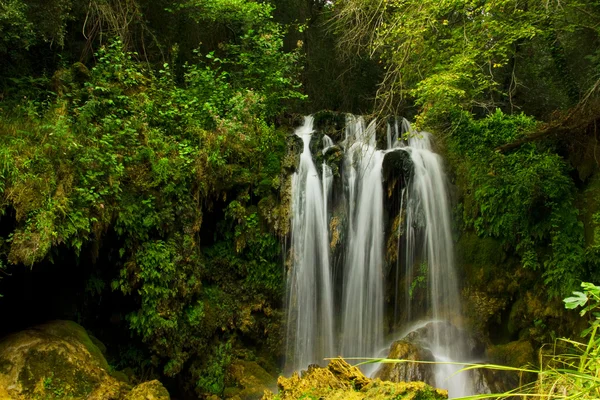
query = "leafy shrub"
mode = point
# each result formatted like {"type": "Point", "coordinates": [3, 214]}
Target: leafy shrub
{"type": "Point", "coordinates": [525, 198]}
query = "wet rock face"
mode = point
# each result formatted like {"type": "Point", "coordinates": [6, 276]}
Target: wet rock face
{"type": "Point", "coordinates": [397, 170]}
{"type": "Point", "coordinates": [407, 371]}
{"type": "Point", "coordinates": [397, 164]}
{"type": "Point", "coordinates": [339, 380]}
{"type": "Point", "coordinates": [59, 360]}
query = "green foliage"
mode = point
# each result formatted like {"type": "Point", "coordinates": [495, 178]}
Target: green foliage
{"type": "Point", "coordinates": [15, 29]}
{"type": "Point", "coordinates": [143, 154]}
{"type": "Point", "coordinates": [525, 198]}
{"type": "Point", "coordinates": [212, 380]}
{"type": "Point", "coordinates": [26, 25]}
{"type": "Point", "coordinates": [255, 60]}
{"type": "Point", "coordinates": [470, 54]}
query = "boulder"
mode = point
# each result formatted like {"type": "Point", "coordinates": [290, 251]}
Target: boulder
{"type": "Point", "coordinates": [340, 380]}
{"type": "Point", "coordinates": [407, 371]}
{"type": "Point", "coordinates": [152, 390]}
{"type": "Point", "coordinates": [58, 360]}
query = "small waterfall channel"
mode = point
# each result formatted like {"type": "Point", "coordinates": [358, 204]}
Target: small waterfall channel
{"type": "Point", "coordinates": [377, 219]}
{"type": "Point", "coordinates": [310, 293]}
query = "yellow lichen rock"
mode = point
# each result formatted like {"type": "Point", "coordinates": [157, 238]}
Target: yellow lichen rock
{"type": "Point", "coordinates": [58, 360]}
{"type": "Point", "coordinates": [152, 390]}
{"type": "Point", "coordinates": [339, 380]}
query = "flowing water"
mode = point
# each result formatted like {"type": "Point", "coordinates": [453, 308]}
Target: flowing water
{"type": "Point", "coordinates": [309, 303]}
{"type": "Point", "coordinates": [324, 321]}
{"type": "Point", "coordinates": [362, 306]}
{"type": "Point", "coordinates": [429, 247]}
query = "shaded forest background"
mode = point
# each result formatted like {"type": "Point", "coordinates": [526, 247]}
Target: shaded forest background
{"type": "Point", "coordinates": [146, 151]}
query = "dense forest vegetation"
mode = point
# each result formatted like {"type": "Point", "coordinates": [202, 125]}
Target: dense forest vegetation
{"type": "Point", "coordinates": [146, 153]}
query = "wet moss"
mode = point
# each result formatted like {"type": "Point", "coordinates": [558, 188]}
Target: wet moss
{"type": "Point", "coordinates": [399, 372]}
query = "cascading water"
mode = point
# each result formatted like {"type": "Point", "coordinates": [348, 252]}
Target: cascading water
{"type": "Point", "coordinates": [429, 246]}
{"type": "Point", "coordinates": [309, 303]}
{"type": "Point", "coordinates": [424, 252]}
{"type": "Point", "coordinates": [362, 309]}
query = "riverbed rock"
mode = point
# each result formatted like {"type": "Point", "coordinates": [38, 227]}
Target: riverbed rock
{"type": "Point", "coordinates": [339, 380]}
{"type": "Point", "coordinates": [59, 360]}
{"type": "Point", "coordinates": [407, 371]}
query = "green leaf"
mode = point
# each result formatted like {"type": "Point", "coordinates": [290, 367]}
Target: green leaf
{"type": "Point", "coordinates": [579, 299]}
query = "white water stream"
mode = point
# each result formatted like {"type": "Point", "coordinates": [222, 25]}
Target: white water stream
{"type": "Point", "coordinates": [429, 244]}
{"type": "Point", "coordinates": [310, 295]}
{"type": "Point", "coordinates": [362, 306]}
{"type": "Point", "coordinates": [321, 325]}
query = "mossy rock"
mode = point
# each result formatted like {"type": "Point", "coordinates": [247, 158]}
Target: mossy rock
{"type": "Point", "coordinates": [251, 379]}
{"type": "Point", "coordinates": [75, 333]}
{"type": "Point", "coordinates": [51, 361]}
{"type": "Point", "coordinates": [333, 157]}
{"type": "Point", "coordinates": [483, 309]}
{"type": "Point", "coordinates": [120, 376]}
{"type": "Point", "coordinates": [406, 372]}
{"type": "Point", "coordinates": [4, 395]}
{"type": "Point", "coordinates": [57, 360]}
{"type": "Point", "coordinates": [487, 380]}
{"type": "Point", "coordinates": [98, 344]}
{"type": "Point", "coordinates": [514, 354]}
{"type": "Point", "coordinates": [339, 380]}
{"type": "Point", "coordinates": [152, 390]}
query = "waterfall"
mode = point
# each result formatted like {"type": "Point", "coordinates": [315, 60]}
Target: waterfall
{"type": "Point", "coordinates": [309, 301]}
{"type": "Point", "coordinates": [424, 251]}
{"type": "Point", "coordinates": [429, 247]}
{"type": "Point", "coordinates": [362, 307]}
